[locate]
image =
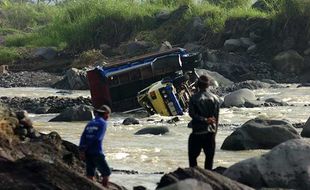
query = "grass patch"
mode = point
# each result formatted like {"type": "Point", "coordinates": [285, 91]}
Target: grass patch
{"type": "Point", "coordinates": [8, 55]}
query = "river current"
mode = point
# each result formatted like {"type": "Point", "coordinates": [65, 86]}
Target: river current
{"type": "Point", "coordinates": [149, 154]}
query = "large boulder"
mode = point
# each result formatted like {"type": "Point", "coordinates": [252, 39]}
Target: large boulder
{"type": "Point", "coordinates": [45, 53]}
{"type": "Point", "coordinates": [285, 166]}
{"type": "Point", "coordinates": [74, 79]}
{"type": "Point", "coordinates": [239, 98]}
{"type": "Point", "coordinates": [289, 62]}
{"type": "Point", "coordinates": [249, 84]}
{"type": "Point", "coordinates": [205, 179]}
{"type": "Point", "coordinates": [216, 79]}
{"type": "Point", "coordinates": [76, 113]}
{"type": "Point", "coordinates": [260, 134]}
{"type": "Point", "coordinates": [153, 131]}
{"type": "Point", "coordinates": [306, 129]}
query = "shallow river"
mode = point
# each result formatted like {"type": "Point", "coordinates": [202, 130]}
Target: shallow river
{"type": "Point", "coordinates": [149, 154]}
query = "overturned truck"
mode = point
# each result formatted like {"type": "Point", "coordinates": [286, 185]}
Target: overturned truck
{"type": "Point", "coordinates": [117, 84]}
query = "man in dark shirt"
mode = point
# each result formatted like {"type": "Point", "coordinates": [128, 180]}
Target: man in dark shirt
{"type": "Point", "coordinates": [204, 111]}
{"type": "Point", "coordinates": [91, 145]}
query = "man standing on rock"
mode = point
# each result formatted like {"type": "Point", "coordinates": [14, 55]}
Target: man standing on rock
{"type": "Point", "coordinates": [91, 145]}
{"type": "Point", "coordinates": [204, 111]}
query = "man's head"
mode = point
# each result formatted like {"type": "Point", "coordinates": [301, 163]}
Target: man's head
{"type": "Point", "coordinates": [203, 82]}
{"type": "Point", "coordinates": [104, 112]}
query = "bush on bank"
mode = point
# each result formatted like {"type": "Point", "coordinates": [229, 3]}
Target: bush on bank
{"type": "Point", "coordinates": [81, 25]}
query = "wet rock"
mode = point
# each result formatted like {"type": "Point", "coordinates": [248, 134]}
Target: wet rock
{"type": "Point", "coordinates": [303, 85]}
{"type": "Point", "coordinates": [173, 120]}
{"type": "Point", "coordinates": [252, 49]}
{"type": "Point", "coordinates": [276, 102]}
{"type": "Point", "coordinates": [153, 131]}
{"type": "Point", "coordinates": [285, 166]}
{"type": "Point", "coordinates": [252, 103]}
{"type": "Point", "coordinates": [47, 53]}
{"type": "Point", "coordinates": [239, 97]}
{"type": "Point", "coordinates": [205, 178]}
{"type": "Point", "coordinates": [306, 129]}
{"type": "Point", "coordinates": [260, 134]}
{"type": "Point", "coordinates": [77, 113]}
{"type": "Point", "coordinates": [130, 121]}
{"type": "Point", "coordinates": [289, 62]}
{"type": "Point", "coordinates": [249, 84]}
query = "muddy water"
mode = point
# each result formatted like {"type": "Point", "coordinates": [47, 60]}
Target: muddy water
{"type": "Point", "coordinates": [148, 154]}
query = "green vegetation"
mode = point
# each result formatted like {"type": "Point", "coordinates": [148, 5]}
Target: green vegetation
{"type": "Point", "coordinates": [81, 25]}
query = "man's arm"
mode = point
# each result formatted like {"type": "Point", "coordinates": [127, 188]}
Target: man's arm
{"type": "Point", "coordinates": [193, 112]}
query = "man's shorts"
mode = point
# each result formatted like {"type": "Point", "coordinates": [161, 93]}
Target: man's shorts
{"type": "Point", "coordinates": [97, 161]}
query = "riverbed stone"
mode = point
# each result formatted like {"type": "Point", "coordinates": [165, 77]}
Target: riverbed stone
{"type": "Point", "coordinates": [276, 102]}
{"type": "Point", "coordinates": [306, 129]}
{"type": "Point", "coordinates": [215, 180]}
{"type": "Point", "coordinates": [260, 134]}
{"type": "Point", "coordinates": [76, 113]}
{"type": "Point", "coordinates": [153, 131]}
{"type": "Point", "coordinates": [215, 78]}
{"type": "Point", "coordinates": [286, 166]}
{"type": "Point", "coordinates": [131, 121]}
{"type": "Point", "coordinates": [239, 97]}
{"type": "Point", "coordinates": [45, 52]}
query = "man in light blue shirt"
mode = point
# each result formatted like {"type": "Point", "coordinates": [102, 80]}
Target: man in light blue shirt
{"type": "Point", "coordinates": [91, 145]}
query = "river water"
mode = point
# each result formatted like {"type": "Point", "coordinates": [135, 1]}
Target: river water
{"type": "Point", "coordinates": [149, 154]}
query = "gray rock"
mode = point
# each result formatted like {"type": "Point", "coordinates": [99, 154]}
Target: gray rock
{"type": "Point", "coordinates": [74, 79]}
{"type": "Point", "coordinates": [45, 52]}
{"type": "Point", "coordinates": [306, 129]}
{"type": "Point", "coordinates": [130, 121]}
{"type": "Point", "coordinates": [288, 43]}
{"type": "Point", "coordinates": [253, 103]}
{"type": "Point", "coordinates": [276, 101]}
{"type": "Point", "coordinates": [255, 37]}
{"type": "Point", "coordinates": [203, 177]}
{"type": "Point", "coordinates": [188, 184]}
{"type": "Point", "coordinates": [269, 81]}
{"type": "Point", "coordinates": [261, 5]}
{"type": "Point", "coordinates": [153, 131]}
{"type": "Point", "coordinates": [289, 62]}
{"type": "Point", "coordinates": [232, 44]}
{"type": "Point", "coordinates": [239, 97]}
{"type": "Point", "coordinates": [246, 42]}
{"type": "Point", "coordinates": [165, 46]}
{"type": "Point", "coordinates": [216, 79]}
{"type": "Point", "coordinates": [285, 166]}
{"type": "Point", "coordinates": [76, 113]}
{"type": "Point", "coordinates": [260, 134]}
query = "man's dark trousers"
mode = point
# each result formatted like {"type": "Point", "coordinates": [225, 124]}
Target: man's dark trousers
{"type": "Point", "coordinates": [196, 142]}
